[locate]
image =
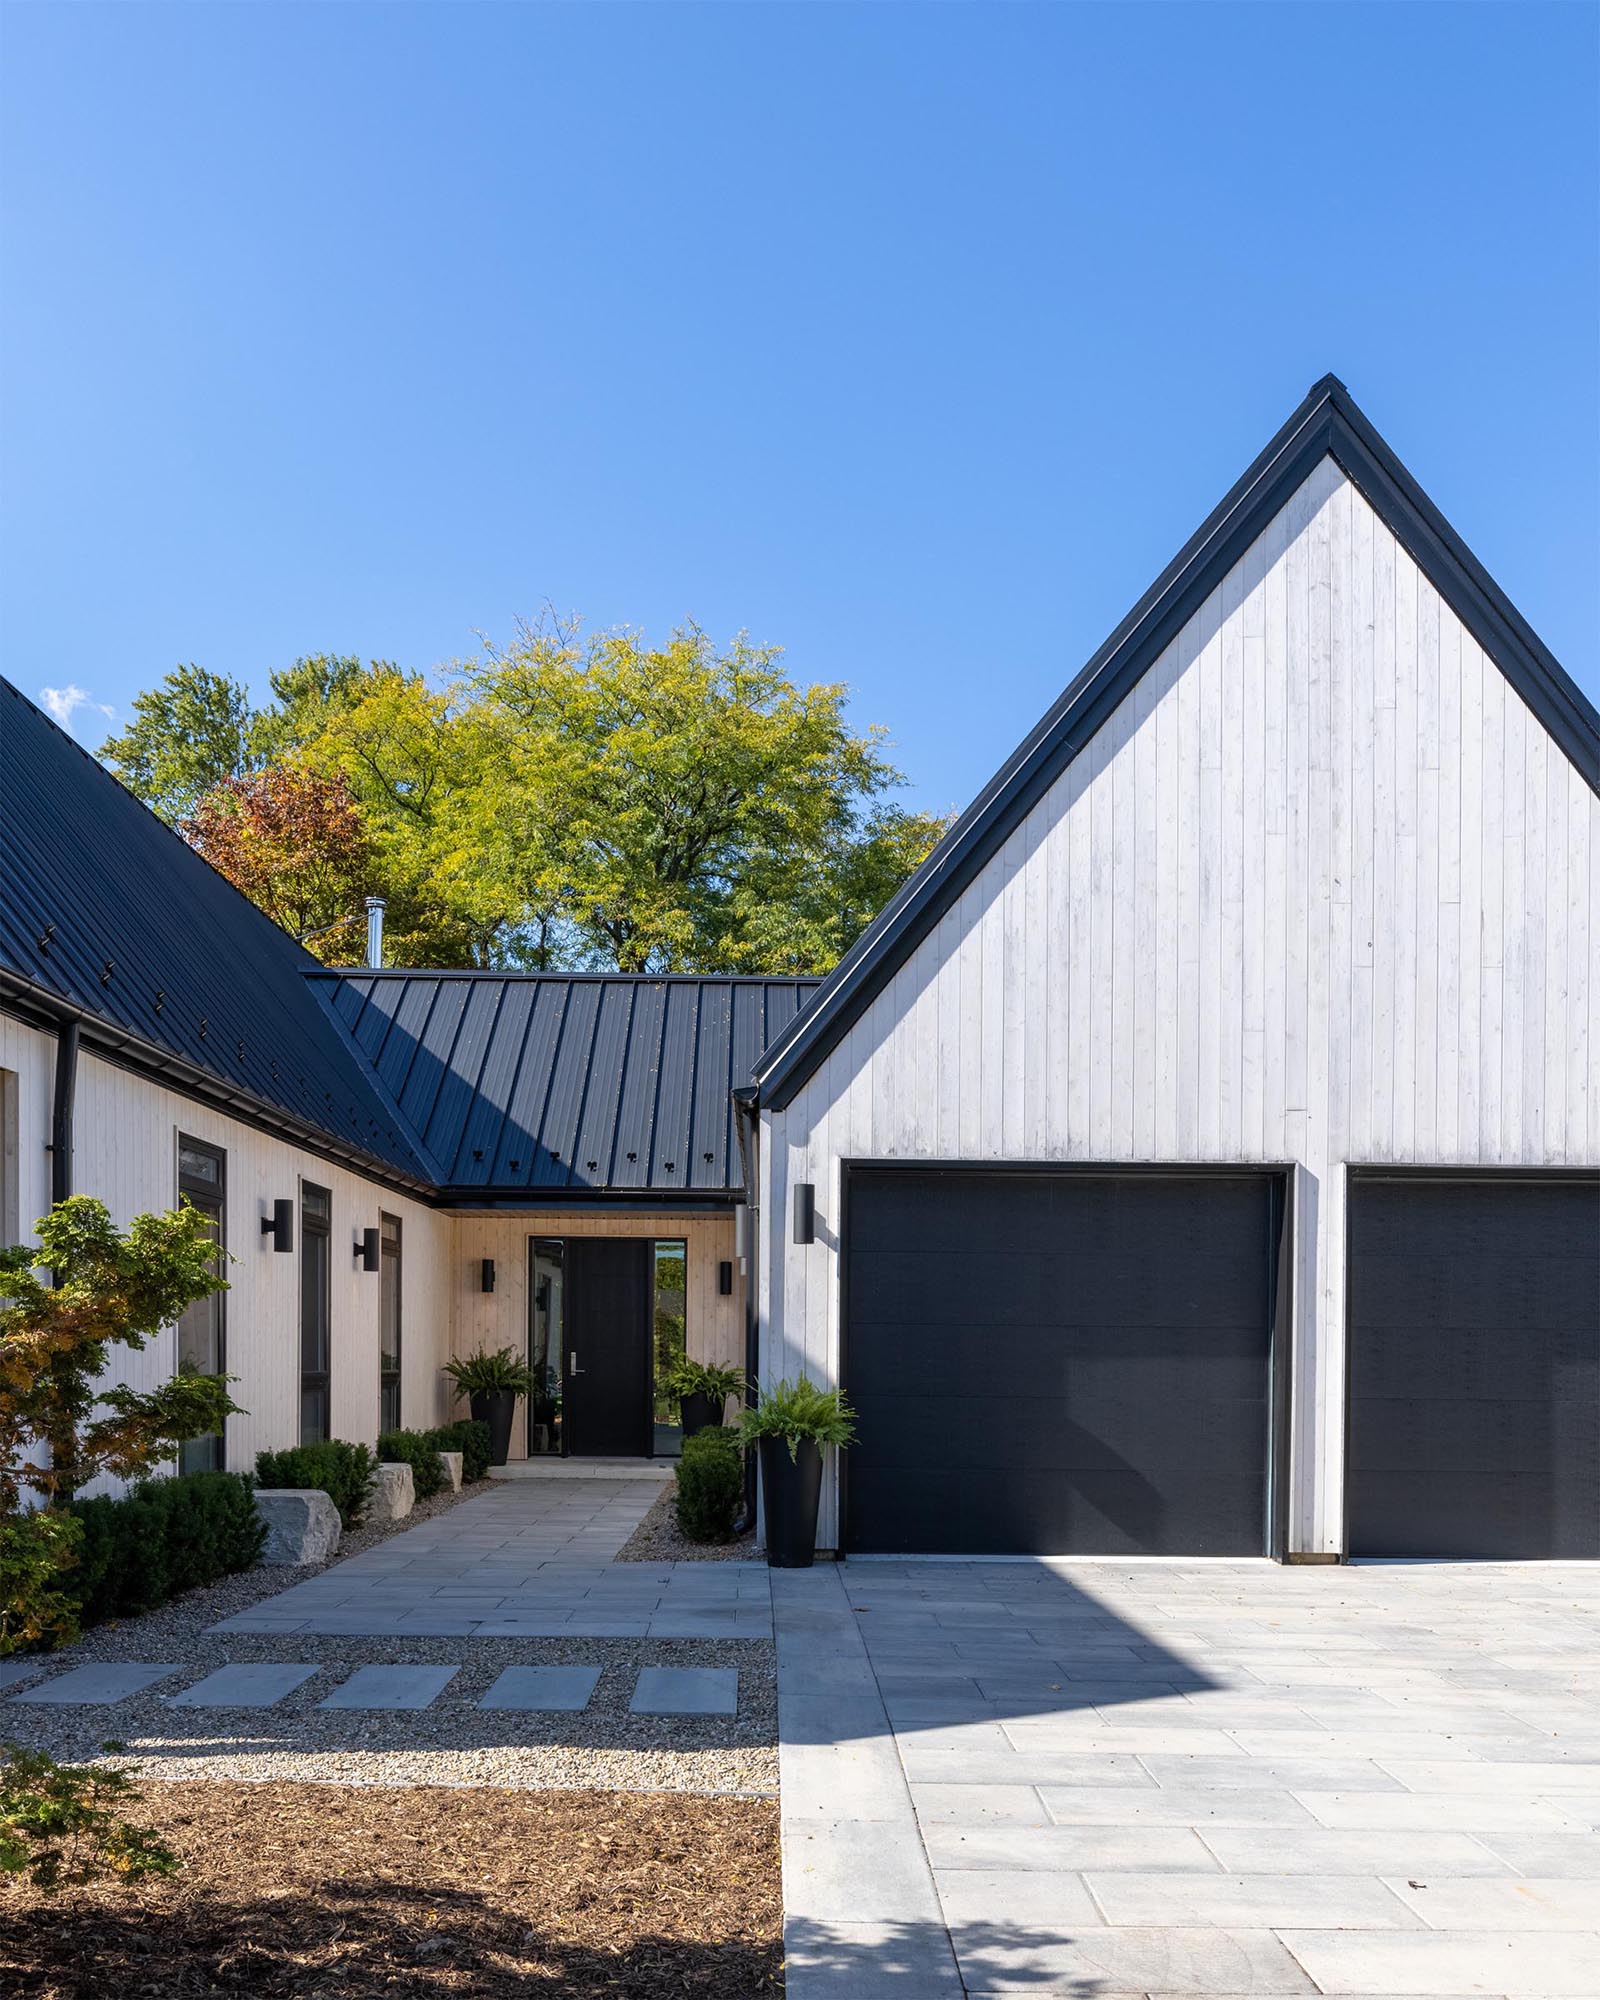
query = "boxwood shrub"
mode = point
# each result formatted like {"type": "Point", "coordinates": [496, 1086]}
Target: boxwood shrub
{"type": "Point", "coordinates": [418, 1450]}
{"type": "Point", "coordinates": [342, 1471]}
{"type": "Point", "coordinates": [710, 1485]}
{"type": "Point", "coordinates": [471, 1440]}
{"type": "Point", "coordinates": [161, 1537]}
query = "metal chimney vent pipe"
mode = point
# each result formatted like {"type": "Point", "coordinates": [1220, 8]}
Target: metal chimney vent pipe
{"type": "Point", "coordinates": [375, 909]}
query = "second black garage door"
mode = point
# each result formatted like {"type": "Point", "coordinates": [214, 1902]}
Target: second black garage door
{"type": "Point", "coordinates": [1474, 1366]}
{"type": "Point", "coordinates": [1058, 1363]}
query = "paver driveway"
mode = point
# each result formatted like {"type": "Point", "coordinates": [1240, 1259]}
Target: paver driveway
{"type": "Point", "coordinates": [1190, 1778]}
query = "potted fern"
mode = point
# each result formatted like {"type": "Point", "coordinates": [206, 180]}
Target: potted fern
{"type": "Point", "coordinates": [702, 1394]}
{"type": "Point", "coordinates": [492, 1382]}
{"type": "Point", "coordinates": [789, 1425]}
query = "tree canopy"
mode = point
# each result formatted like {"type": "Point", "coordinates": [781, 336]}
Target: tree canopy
{"type": "Point", "coordinates": [567, 800]}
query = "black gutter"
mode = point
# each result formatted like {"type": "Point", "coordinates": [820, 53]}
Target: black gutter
{"type": "Point", "coordinates": [66, 1090]}
{"type": "Point", "coordinates": [125, 1050]}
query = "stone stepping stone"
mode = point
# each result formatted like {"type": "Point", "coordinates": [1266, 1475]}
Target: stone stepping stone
{"type": "Point", "coordinates": [686, 1691]}
{"type": "Point", "coordinates": [390, 1687]}
{"type": "Point", "coordinates": [543, 1690]}
{"type": "Point", "coordinates": [97, 1685]}
{"type": "Point", "coordinates": [14, 1671]}
{"type": "Point", "coordinates": [243, 1687]}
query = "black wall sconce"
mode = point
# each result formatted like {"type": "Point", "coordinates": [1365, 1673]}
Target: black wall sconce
{"type": "Point", "coordinates": [279, 1225]}
{"type": "Point", "coordinates": [805, 1212]}
{"type": "Point", "coordinates": [367, 1251]}
{"type": "Point", "coordinates": [486, 1275]}
{"type": "Point", "coordinates": [725, 1277]}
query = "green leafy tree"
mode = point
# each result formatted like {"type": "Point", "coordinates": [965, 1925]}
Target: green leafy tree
{"type": "Point", "coordinates": [660, 797]}
{"type": "Point", "coordinates": [192, 731]}
{"type": "Point", "coordinates": [111, 1290]}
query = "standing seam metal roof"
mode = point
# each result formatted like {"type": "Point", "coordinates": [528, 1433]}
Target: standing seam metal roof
{"type": "Point", "coordinates": [566, 1084]}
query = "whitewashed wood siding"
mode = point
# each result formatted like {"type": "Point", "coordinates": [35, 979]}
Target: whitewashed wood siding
{"type": "Point", "coordinates": [1321, 891]}
{"type": "Point", "coordinates": [126, 1154]}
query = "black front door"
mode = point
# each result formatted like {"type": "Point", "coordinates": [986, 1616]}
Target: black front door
{"type": "Point", "coordinates": [606, 1363]}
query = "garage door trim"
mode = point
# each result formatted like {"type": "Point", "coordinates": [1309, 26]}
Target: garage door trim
{"type": "Point", "coordinates": [1281, 1179]}
{"type": "Point", "coordinates": [1476, 1175]}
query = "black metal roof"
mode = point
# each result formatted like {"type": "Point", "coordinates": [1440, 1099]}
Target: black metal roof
{"type": "Point", "coordinates": [1327, 424]}
{"type": "Point", "coordinates": [109, 914]}
{"type": "Point", "coordinates": [565, 1086]}
{"type": "Point", "coordinates": [456, 1084]}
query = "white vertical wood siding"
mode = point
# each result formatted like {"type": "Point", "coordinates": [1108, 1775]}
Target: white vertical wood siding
{"type": "Point", "coordinates": [1320, 891]}
{"type": "Point", "coordinates": [126, 1154]}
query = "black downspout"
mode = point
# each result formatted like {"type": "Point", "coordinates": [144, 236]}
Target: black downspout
{"type": "Point", "coordinates": [61, 1120]}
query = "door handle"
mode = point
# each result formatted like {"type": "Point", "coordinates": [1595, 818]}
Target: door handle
{"type": "Point", "coordinates": [572, 1363]}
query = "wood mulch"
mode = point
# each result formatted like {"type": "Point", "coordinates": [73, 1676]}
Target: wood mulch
{"type": "Point", "coordinates": [312, 1891]}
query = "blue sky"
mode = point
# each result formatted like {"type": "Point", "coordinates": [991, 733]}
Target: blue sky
{"type": "Point", "coordinates": [914, 338]}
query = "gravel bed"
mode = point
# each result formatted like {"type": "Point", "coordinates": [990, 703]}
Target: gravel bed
{"type": "Point", "coordinates": [452, 1741]}
{"type": "Point", "coordinates": [658, 1538]}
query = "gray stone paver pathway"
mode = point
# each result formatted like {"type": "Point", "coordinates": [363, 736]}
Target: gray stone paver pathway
{"type": "Point", "coordinates": [390, 1687]}
{"type": "Point", "coordinates": [1190, 1778]}
{"type": "Point", "coordinates": [543, 1690]}
{"type": "Point", "coordinates": [686, 1691]}
{"type": "Point", "coordinates": [246, 1686]}
{"type": "Point", "coordinates": [97, 1685]}
{"type": "Point", "coordinates": [529, 1557]}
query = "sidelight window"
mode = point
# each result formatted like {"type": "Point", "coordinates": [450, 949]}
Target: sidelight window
{"type": "Point", "coordinates": [202, 1185]}
{"type": "Point", "coordinates": [316, 1310]}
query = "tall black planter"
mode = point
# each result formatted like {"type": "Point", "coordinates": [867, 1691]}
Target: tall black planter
{"type": "Point", "coordinates": [790, 1490]}
{"type": "Point", "coordinates": [496, 1408]}
{"type": "Point", "coordinates": [696, 1413]}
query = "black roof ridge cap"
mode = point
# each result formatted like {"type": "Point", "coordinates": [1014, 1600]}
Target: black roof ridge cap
{"type": "Point", "coordinates": [1327, 423]}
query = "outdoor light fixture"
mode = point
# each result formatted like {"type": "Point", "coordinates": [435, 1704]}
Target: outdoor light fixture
{"type": "Point", "coordinates": [805, 1212]}
{"type": "Point", "coordinates": [725, 1277]}
{"type": "Point", "coordinates": [279, 1225]}
{"type": "Point", "coordinates": [486, 1275]}
{"type": "Point", "coordinates": [367, 1250]}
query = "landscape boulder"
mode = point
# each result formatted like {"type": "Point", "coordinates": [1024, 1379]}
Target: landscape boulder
{"type": "Point", "coordinates": [302, 1524]}
{"type": "Point", "coordinates": [452, 1462]}
{"type": "Point", "coordinates": [394, 1493]}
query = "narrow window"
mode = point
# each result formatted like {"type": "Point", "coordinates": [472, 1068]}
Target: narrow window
{"type": "Point", "coordinates": [316, 1219]}
{"type": "Point", "coordinates": [389, 1323]}
{"type": "Point", "coordinates": [545, 1334]}
{"type": "Point", "coordinates": [203, 1184]}
{"type": "Point", "coordinates": [670, 1320]}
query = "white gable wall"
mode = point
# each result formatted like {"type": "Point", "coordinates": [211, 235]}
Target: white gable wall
{"type": "Point", "coordinates": [1320, 891]}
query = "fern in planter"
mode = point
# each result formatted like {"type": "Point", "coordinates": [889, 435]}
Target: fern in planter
{"type": "Point", "coordinates": [797, 1411]}
{"type": "Point", "coordinates": [489, 1373]}
{"type": "Point", "coordinates": [696, 1378]}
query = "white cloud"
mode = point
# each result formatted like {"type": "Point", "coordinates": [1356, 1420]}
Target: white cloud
{"type": "Point", "coordinates": [63, 703]}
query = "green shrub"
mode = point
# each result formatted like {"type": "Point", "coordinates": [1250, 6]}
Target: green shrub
{"type": "Point", "coordinates": [37, 1605]}
{"type": "Point", "coordinates": [58, 1826]}
{"type": "Point", "coordinates": [795, 1411]}
{"type": "Point", "coordinates": [342, 1471]}
{"type": "Point", "coordinates": [418, 1450]}
{"type": "Point", "coordinates": [163, 1537]}
{"type": "Point", "coordinates": [710, 1485]}
{"type": "Point", "coordinates": [471, 1440]}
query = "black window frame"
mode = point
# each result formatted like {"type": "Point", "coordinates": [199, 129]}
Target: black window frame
{"type": "Point", "coordinates": [316, 1228]}
{"type": "Point", "coordinates": [389, 1379]}
{"type": "Point", "coordinates": [209, 1453]}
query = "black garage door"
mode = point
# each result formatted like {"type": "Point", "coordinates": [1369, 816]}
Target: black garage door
{"type": "Point", "coordinates": [1058, 1363]}
{"type": "Point", "coordinates": [1474, 1367]}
